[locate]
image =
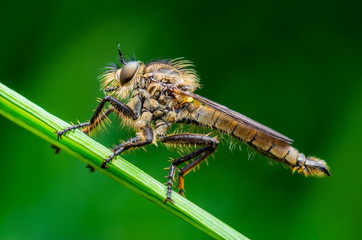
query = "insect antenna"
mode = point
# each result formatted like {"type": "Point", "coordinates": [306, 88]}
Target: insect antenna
{"type": "Point", "coordinates": [121, 58]}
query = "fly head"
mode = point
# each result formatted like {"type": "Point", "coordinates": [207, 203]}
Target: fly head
{"type": "Point", "coordinates": [129, 70]}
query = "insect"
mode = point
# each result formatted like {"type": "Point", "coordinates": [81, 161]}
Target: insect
{"type": "Point", "coordinates": [154, 96]}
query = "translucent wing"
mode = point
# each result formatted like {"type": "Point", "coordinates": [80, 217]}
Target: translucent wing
{"type": "Point", "coordinates": [236, 116]}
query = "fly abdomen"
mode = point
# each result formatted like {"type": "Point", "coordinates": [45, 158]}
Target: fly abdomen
{"type": "Point", "coordinates": [280, 151]}
{"type": "Point", "coordinates": [283, 152]}
{"type": "Point", "coordinates": [207, 116]}
{"type": "Point", "coordinates": [268, 145]}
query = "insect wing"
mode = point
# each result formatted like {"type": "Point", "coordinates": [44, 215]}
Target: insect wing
{"type": "Point", "coordinates": [236, 116]}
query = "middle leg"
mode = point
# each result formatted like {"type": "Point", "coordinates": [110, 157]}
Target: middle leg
{"type": "Point", "coordinates": [201, 154]}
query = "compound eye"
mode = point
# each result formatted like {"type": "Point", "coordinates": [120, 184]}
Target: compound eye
{"type": "Point", "coordinates": [128, 71]}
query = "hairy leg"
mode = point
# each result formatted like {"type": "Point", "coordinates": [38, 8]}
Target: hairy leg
{"type": "Point", "coordinates": [145, 137]}
{"type": "Point", "coordinates": [200, 154]}
{"type": "Point", "coordinates": [97, 116]}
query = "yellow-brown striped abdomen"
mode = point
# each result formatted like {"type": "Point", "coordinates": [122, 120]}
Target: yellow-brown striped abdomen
{"type": "Point", "coordinates": [263, 143]}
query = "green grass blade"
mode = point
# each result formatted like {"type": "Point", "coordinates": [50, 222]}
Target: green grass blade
{"type": "Point", "coordinates": [35, 119]}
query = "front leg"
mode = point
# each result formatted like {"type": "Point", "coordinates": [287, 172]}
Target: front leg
{"type": "Point", "coordinates": [97, 117]}
{"type": "Point", "coordinates": [200, 154]}
{"type": "Point", "coordinates": [145, 137]}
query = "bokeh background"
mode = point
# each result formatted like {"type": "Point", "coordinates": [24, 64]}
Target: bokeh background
{"type": "Point", "coordinates": [295, 66]}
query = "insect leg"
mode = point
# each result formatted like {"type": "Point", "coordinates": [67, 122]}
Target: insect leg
{"type": "Point", "coordinates": [201, 154]}
{"type": "Point", "coordinates": [189, 167]}
{"type": "Point", "coordinates": [111, 89]}
{"type": "Point", "coordinates": [145, 137]}
{"type": "Point", "coordinates": [100, 119]}
{"type": "Point", "coordinates": [118, 105]}
{"type": "Point", "coordinates": [89, 126]}
{"type": "Point", "coordinates": [65, 130]}
{"type": "Point", "coordinates": [86, 130]}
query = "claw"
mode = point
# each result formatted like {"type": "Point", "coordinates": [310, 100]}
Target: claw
{"type": "Point", "coordinates": [106, 161]}
{"type": "Point", "coordinates": [181, 192]}
{"type": "Point", "coordinates": [168, 199]}
{"type": "Point", "coordinates": [104, 165]}
{"type": "Point", "coordinates": [59, 135]}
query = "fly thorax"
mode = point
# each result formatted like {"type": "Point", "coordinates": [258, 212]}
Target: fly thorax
{"type": "Point", "coordinates": [155, 90]}
{"type": "Point", "coordinates": [151, 105]}
{"type": "Point", "coordinates": [167, 101]}
{"type": "Point", "coordinates": [142, 83]}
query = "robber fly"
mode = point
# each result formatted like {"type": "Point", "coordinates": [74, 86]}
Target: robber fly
{"type": "Point", "coordinates": [159, 94]}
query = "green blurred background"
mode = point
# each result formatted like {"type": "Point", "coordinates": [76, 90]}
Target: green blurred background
{"type": "Point", "coordinates": [293, 66]}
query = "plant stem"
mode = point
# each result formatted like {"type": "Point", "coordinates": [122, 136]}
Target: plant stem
{"type": "Point", "coordinates": [35, 119]}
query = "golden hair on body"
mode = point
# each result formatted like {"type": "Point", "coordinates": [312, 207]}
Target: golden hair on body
{"type": "Point", "coordinates": [152, 97]}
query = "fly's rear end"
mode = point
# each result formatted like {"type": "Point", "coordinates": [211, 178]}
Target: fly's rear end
{"type": "Point", "coordinates": [270, 146]}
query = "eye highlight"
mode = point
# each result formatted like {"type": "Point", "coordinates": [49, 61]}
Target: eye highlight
{"type": "Point", "coordinates": [128, 71]}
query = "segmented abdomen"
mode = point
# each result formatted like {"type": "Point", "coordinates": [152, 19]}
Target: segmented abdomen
{"type": "Point", "coordinates": [270, 146]}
